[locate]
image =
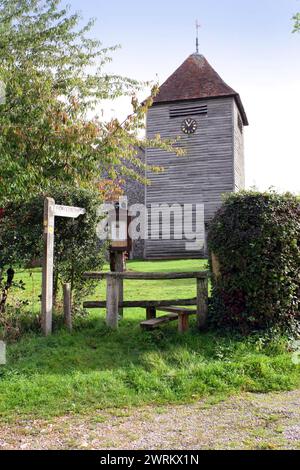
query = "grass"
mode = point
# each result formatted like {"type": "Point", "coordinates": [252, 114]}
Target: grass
{"type": "Point", "coordinates": [94, 368]}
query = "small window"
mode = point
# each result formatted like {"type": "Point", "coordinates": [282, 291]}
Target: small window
{"type": "Point", "coordinates": [240, 124]}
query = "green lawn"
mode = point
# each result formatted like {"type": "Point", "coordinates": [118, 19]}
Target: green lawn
{"type": "Point", "coordinates": [95, 368]}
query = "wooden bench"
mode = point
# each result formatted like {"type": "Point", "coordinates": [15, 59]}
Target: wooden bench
{"type": "Point", "coordinates": [175, 313]}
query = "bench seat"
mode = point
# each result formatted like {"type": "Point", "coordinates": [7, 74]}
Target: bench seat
{"type": "Point", "coordinates": [174, 313]}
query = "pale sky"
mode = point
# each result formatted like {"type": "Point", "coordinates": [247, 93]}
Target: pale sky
{"type": "Point", "coordinates": [249, 43]}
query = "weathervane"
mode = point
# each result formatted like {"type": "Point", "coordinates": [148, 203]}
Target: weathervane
{"type": "Point", "coordinates": [198, 26]}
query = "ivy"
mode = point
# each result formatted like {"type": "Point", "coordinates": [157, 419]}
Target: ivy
{"type": "Point", "coordinates": [254, 243]}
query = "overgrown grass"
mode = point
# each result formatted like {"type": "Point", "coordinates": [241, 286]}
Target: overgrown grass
{"type": "Point", "coordinates": [96, 368]}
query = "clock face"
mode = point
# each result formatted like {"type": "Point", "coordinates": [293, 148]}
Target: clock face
{"type": "Point", "coordinates": [189, 126]}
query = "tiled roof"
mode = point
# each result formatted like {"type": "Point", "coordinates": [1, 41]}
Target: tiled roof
{"type": "Point", "coordinates": [196, 79]}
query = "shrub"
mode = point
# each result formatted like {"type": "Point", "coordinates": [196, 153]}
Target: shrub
{"type": "Point", "coordinates": [254, 244]}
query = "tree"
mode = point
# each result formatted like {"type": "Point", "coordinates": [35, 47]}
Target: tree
{"type": "Point", "coordinates": [54, 76]}
{"type": "Point", "coordinates": [296, 19]}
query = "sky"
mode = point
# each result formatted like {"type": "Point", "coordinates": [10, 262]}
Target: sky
{"type": "Point", "coordinates": [248, 42]}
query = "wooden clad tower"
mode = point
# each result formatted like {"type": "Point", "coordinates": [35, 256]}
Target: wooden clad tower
{"type": "Point", "coordinates": [197, 105]}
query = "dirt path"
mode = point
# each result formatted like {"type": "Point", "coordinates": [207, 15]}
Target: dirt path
{"type": "Point", "coordinates": [249, 422]}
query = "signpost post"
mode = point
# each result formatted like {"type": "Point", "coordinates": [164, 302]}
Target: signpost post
{"type": "Point", "coordinates": [51, 210]}
{"type": "Point", "coordinates": [120, 243]}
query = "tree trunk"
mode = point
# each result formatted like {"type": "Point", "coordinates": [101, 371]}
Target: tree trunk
{"type": "Point", "coordinates": [9, 281]}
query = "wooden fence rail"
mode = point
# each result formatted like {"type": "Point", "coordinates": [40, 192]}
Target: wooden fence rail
{"type": "Point", "coordinates": [144, 303]}
{"type": "Point", "coordinates": [148, 276]}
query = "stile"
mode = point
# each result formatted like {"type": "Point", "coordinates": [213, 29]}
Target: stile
{"type": "Point", "coordinates": [114, 302]}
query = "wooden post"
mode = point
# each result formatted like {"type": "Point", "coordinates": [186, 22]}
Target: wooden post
{"type": "Point", "coordinates": [67, 306]}
{"type": "Point", "coordinates": [183, 322]}
{"type": "Point", "coordinates": [119, 267]}
{"type": "Point", "coordinates": [202, 302]}
{"type": "Point", "coordinates": [150, 313]}
{"type": "Point", "coordinates": [112, 302]}
{"type": "Point", "coordinates": [47, 277]}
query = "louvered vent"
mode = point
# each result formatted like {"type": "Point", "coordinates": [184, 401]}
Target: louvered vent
{"type": "Point", "coordinates": [188, 111]}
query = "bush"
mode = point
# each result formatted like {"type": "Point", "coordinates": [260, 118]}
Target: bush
{"type": "Point", "coordinates": [254, 244]}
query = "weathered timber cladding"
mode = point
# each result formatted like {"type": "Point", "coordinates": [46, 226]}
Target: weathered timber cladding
{"type": "Point", "coordinates": [207, 171]}
{"type": "Point", "coordinates": [239, 164]}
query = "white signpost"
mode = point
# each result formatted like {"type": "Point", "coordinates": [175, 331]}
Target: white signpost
{"type": "Point", "coordinates": [67, 211]}
{"type": "Point", "coordinates": [51, 210]}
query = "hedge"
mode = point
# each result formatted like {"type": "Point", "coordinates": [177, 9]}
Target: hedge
{"type": "Point", "coordinates": [254, 245]}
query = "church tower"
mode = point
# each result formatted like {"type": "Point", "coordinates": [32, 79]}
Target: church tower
{"type": "Point", "coordinates": [197, 105]}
